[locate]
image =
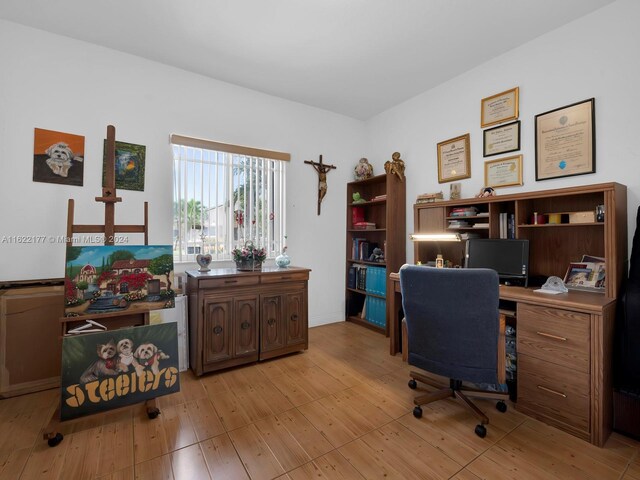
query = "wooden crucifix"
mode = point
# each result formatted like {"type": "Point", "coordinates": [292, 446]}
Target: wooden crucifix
{"type": "Point", "coordinates": [322, 170]}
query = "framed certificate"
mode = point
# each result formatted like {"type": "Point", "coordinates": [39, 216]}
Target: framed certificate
{"type": "Point", "coordinates": [454, 159]}
{"type": "Point", "coordinates": [503, 172]}
{"type": "Point", "coordinates": [565, 141]}
{"type": "Point", "coordinates": [501, 139]}
{"type": "Point", "coordinates": [499, 108]}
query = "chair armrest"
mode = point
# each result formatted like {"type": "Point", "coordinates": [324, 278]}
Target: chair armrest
{"type": "Point", "coordinates": [502, 367]}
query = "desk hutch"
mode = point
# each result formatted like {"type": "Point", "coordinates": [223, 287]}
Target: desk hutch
{"type": "Point", "coordinates": [564, 342]}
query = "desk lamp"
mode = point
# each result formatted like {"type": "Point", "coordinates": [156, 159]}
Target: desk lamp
{"type": "Point", "coordinates": [436, 238]}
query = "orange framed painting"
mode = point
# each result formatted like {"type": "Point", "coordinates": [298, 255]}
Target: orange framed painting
{"type": "Point", "coordinates": [58, 157]}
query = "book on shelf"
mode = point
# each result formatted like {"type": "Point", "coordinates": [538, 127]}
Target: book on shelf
{"type": "Point", "coordinates": [481, 225]}
{"type": "Point", "coordinates": [379, 197]}
{"type": "Point", "coordinates": [464, 212]}
{"type": "Point", "coordinates": [430, 197]}
{"type": "Point", "coordinates": [362, 225]}
{"type": "Point", "coordinates": [459, 224]}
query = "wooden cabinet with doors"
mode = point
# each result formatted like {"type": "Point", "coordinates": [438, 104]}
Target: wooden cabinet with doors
{"type": "Point", "coordinates": [241, 317]}
{"type": "Point", "coordinates": [29, 336]}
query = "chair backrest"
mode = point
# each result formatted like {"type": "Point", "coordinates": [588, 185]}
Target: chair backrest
{"type": "Point", "coordinates": [453, 321]}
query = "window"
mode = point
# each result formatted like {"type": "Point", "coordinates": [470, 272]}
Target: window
{"type": "Point", "coordinates": [225, 196]}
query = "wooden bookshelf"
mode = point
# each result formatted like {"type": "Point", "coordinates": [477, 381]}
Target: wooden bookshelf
{"type": "Point", "coordinates": [389, 234]}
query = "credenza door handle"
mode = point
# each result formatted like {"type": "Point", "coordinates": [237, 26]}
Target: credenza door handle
{"type": "Point", "coordinates": [217, 330]}
{"type": "Point", "coordinates": [555, 337]}
{"type": "Point", "coordinates": [560, 394]}
{"type": "Point", "coordinates": [271, 321]}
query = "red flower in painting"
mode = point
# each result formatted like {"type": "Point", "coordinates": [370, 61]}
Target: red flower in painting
{"type": "Point", "coordinates": [136, 281]}
{"type": "Point", "coordinates": [70, 291]}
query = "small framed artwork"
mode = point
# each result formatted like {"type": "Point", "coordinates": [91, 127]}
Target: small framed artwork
{"type": "Point", "coordinates": [503, 172]}
{"type": "Point", "coordinates": [129, 166]}
{"type": "Point", "coordinates": [454, 159]}
{"type": "Point", "coordinates": [565, 141]}
{"type": "Point", "coordinates": [501, 139]}
{"type": "Point", "coordinates": [455, 191]}
{"type": "Point", "coordinates": [58, 157]}
{"type": "Point", "coordinates": [499, 108]}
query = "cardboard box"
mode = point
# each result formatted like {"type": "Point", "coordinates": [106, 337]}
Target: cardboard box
{"type": "Point", "coordinates": [582, 217]}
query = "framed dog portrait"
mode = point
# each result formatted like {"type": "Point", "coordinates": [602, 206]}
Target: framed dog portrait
{"type": "Point", "coordinates": [129, 166]}
{"type": "Point", "coordinates": [58, 157]}
{"type": "Point", "coordinates": [111, 369]}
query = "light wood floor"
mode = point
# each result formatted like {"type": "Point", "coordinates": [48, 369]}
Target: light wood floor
{"type": "Point", "coordinates": [341, 410]}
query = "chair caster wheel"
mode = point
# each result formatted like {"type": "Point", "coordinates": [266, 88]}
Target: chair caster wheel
{"type": "Point", "coordinates": [413, 384]}
{"type": "Point", "coordinates": [153, 413]}
{"type": "Point", "coordinates": [417, 411]}
{"type": "Point", "coordinates": [501, 406]}
{"type": "Point", "coordinates": [55, 440]}
{"type": "Point", "coordinates": [481, 431]}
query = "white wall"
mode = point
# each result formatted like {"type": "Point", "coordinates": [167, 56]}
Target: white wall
{"type": "Point", "coordinates": [56, 83]}
{"type": "Point", "coordinates": [595, 56]}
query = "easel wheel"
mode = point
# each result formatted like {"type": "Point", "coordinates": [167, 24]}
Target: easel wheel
{"type": "Point", "coordinates": [55, 440]}
{"type": "Point", "coordinates": [153, 412]}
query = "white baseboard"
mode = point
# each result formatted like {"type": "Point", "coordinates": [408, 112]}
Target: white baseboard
{"type": "Point", "coordinates": [316, 321]}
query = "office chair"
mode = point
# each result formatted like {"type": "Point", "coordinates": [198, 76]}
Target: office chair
{"type": "Point", "coordinates": [454, 329]}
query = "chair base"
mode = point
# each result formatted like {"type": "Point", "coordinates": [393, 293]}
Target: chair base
{"type": "Point", "coordinates": [456, 390]}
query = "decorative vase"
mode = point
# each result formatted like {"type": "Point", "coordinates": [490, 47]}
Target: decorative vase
{"type": "Point", "coordinates": [363, 170]}
{"type": "Point", "coordinates": [283, 260]}
{"type": "Point", "coordinates": [204, 261]}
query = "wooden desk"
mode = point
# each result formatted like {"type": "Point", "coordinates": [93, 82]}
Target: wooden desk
{"type": "Point", "coordinates": [564, 345]}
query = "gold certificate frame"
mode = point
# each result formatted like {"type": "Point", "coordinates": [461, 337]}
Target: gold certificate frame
{"type": "Point", "coordinates": [503, 172]}
{"type": "Point", "coordinates": [566, 141]}
{"type": "Point", "coordinates": [499, 108]}
{"type": "Point", "coordinates": [454, 159]}
{"type": "Point", "coordinates": [501, 139]}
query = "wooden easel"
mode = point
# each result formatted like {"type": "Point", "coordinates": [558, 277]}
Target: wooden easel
{"type": "Point", "coordinates": [110, 229]}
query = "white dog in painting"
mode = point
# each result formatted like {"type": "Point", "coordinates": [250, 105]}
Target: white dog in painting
{"type": "Point", "coordinates": [60, 157]}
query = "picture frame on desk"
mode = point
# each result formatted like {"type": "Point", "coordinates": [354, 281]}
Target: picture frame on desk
{"type": "Point", "coordinates": [588, 276]}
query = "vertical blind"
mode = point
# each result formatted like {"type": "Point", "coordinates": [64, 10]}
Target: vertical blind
{"type": "Point", "coordinates": [226, 196]}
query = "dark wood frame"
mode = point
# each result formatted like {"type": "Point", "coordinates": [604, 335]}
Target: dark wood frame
{"type": "Point", "coordinates": [484, 139]}
{"type": "Point", "coordinates": [593, 139]}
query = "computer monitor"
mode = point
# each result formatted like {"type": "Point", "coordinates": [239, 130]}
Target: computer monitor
{"type": "Point", "coordinates": [510, 258]}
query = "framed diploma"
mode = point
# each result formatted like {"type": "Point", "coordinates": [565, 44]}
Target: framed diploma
{"type": "Point", "coordinates": [501, 139]}
{"type": "Point", "coordinates": [454, 159]}
{"type": "Point", "coordinates": [565, 141]}
{"type": "Point", "coordinates": [499, 108]}
{"type": "Point", "coordinates": [503, 172]}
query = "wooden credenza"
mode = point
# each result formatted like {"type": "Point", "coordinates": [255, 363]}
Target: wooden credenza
{"type": "Point", "coordinates": [242, 317]}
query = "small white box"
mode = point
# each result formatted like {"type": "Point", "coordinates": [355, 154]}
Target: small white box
{"type": "Point", "coordinates": [179, 315]}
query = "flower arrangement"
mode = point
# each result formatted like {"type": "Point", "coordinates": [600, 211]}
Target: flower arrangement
{"type": "Point", "coordinates": [249, 257]}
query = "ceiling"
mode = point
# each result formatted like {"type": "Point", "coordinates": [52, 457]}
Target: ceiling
{"type": "Point", "coordinates": [354, 57]}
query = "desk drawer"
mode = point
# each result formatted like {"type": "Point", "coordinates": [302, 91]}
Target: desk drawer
{"type": "Point", "coordinates": [284, 277]}
{"type": "Point", "coordinates": [555, 392]}
{"type": "Point", "coordinates": [235, 281]}
{"type": "Point", "coordinates": [557, 336]}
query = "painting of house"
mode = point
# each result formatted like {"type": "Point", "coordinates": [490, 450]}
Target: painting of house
{"type": "Point", "coordinates": [112, 278]}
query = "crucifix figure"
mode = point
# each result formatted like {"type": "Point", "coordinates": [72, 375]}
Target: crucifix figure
{"type": "Point", "coordinates": [322, 170]}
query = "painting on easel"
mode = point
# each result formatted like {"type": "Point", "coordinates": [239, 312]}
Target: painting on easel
{"type": "Point", "coordinates": [111, 369]}
{"type": "Point", "coordinates": [58, 157]}
{"type": "Point", "coordinates": [129, 166]}
{"type": "Point", "coordinates": [118, 278]}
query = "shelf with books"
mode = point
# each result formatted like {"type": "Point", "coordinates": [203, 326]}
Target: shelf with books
{"type": "Point", "coordinates": [384, 208]}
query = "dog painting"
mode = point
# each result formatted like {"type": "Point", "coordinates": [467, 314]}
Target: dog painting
{"type": "Point", "coordinates": [58, 157]}
{"type": "Point", "coordinates": [111, 369]}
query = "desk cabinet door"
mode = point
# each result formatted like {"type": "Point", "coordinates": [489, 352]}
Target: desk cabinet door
{"type": "Point", "coordinates": [217, 330]}
{"type": "Point", "coordinates": [272, 335]}
{"type": "Point", "coordinates": [296, 318]}
{"type": "Point", "coordinates": [245, 325]}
